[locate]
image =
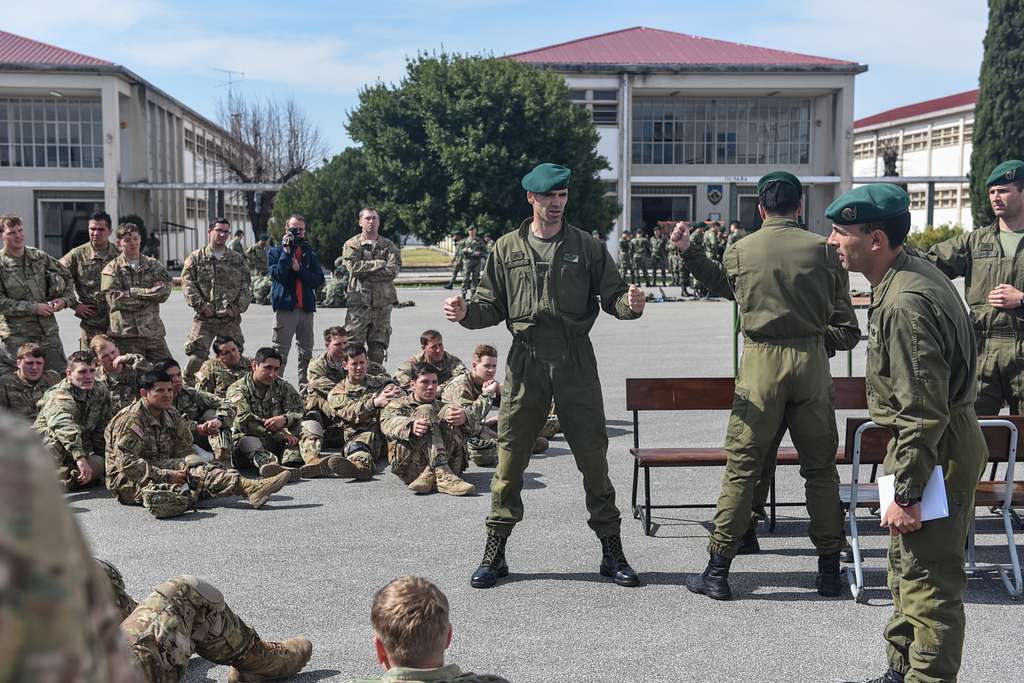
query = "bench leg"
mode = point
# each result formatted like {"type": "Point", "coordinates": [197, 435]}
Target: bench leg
{"type": "Point", "coordinates": [771, 506]}
{"type": "Point", "coordinates": [1015, 587]}
{"type": "Point", "coordinates": [636, 472]}
{"type": "Point", "coordinates": [647, 501]}
{"type": "Point", "coordinates": [855, 574]}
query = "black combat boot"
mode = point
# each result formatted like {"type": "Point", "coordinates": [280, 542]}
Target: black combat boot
{"type": "Point", "coordinates": [889, 676]}
{"type": "Point", "coordinates": [829, 581]}
{"type": "Point", "coordinates": [615, 564]}
{"type": "Point", "coordinates": [748, 544]}
{"type": "Point", "coordinates": [846, 554]}
{"type": "Point", "coordinates": [493, 566]}
{"type": "Point", "coordinates": [714, 582]}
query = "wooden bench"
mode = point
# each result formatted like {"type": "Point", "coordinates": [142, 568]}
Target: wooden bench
{"type": "Point", "coordinates": [705, 393]}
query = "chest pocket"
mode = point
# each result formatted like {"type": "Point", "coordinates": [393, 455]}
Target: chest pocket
{"type": "Point", "coordinates": [573, 286]}
{"type": "Point", "coordinates": [520, 290]}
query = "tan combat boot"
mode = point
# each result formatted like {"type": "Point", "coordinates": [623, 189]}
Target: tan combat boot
{"type": "Point", "coordinates": [340, 466]}
{"type": "Point", "coordinates": [451, 483]}
{"type": "Point", "coordinates": [273, 469]}
{"type": "Point", "coordinates": [424, 483]}
{"type": "Point", "coordinates": [258, 491]}
{"type": "Point", "coordinates": [269, 661]}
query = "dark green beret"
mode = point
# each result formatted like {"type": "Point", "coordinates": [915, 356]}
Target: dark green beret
{"type": "Point", "coordinates": [869, 203]}
{"type": "Point", "coordinates": [780, 177]}
{"type": "Point", "coordinates": [262, 237]}
{"type": "Point", "coordinates": [1006, 172]}
{"type": "Point", "coordinates": [546, 178]}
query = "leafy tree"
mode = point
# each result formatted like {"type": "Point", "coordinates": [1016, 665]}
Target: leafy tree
{"type": "Point", "coordinates": [330, 198]}
{"type": "Point", "coordinates": [933, 234]}
{"type": "Point", "coordinates": [447, 146]}
{"type": "Point", "coordinates": [999, 115]}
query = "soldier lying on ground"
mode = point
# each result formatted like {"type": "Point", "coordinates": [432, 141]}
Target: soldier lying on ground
{"type": "Point", "coordinates": [119, 372]}
{"type": "Point", "coordinates": [226, 367]}
{"type": "Point", "coordinates": [21, 391]}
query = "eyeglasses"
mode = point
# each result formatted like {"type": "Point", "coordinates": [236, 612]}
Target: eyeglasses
{"type": "Point", "coordinates": [222, 232]}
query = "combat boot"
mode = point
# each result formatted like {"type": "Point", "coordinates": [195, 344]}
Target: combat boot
{"type": "Point", "coordinates": [615, 564]}
{"type": "Point", "coordinates": [493, 566]}
{"type": "Point", "coordinates": [451, 483]}
{"type": "Point", "coordinates": [258, 491]}
{"type": "Point", "coordinates": [342, 467]}
{"type": "Point", "coordinates": [540, 445]}
{"type": "Point", "coordinates": [424, 483]}
{"type": "Point", "coordinates": [270, 661]}
{"type": "Point", "coordinates": [714, 582]}
{"type": "Point", "coordinates": [749, 544]}
{"type": "Point", "coordinates": [273, 469]}
{"type": "Point", "coordinates": [829, 581]}
{"type": "Point", "coordinates": [889, 676]}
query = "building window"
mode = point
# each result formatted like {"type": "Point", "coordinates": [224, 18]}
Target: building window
{"type": "Point", "coordinates": [915, 142]}
{"type": "Point", "coordinates": [968, 132]}
{"type": "Point", "coordinates": [965, 196]}
{"type": "Point", "coordinates": [190, 140]}
{"type": "Point", "coordinates": [864, 150]}
{"type": "Point", "coordinates": [200, 145]}
{"type": "Point", "coordinates": [946, 199]}
{"type": "Point", "coordinates": [721, 130]}
{"type": "Point", "coordinates": [946, 137]}
{"type": "Point", "coordinates": [190, 208]}
{"type": "Point", "coordinates": [51, 133]}
{"type": "Point", "coordinates": [918, 200]}
{"type": "Point", "coordinates": [611, 188]}
{"type": "Point", "coordinates": [602, 104]}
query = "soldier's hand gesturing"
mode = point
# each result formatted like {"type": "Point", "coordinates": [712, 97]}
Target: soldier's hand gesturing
{"type": "Point", "coordinates": [681, 236]}
{"type": "Point", "coordinates": [420, 426]}
{"type": "Point", "coordinates": [455, 308]}
{"type": "Point", "coordinates": [637, 300]}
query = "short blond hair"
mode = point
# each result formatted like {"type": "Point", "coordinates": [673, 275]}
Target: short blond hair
{"type": "Point", "coordinates": [99, 341]}
{"type": "Point", "coordinates": [410, 616]}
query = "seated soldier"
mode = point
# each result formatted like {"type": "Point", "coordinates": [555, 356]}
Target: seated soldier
{"type": "Point", "coordinates": [433, 354]}
{"type": "Point", "coordinates": [427, 437]}
{"type": "Point", "coordinates": [208, 417]}
{"type": "Point", "coordinates": [21, 391]}
{"type": "Point", "coordinates": [326, 370]}
{"type": "Point", "coordinates": [227, 366]}
{"type": "Point", "coordinates": [355, 405]}
{"type": "Point", "coordinates": [336, 289]}
{"type": "Point", "coordinates": [268, 411]}
{"type": "Point", "coordinates": [119, 372]}
{"type": "Point", "coordinates": [411, 630]}
{"type": "Point", "coordinates": [71, 419]}
{"type": "Point", "coordinates": [149, 458]}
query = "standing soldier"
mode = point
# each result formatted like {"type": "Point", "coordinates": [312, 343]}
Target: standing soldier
{"type": "Point", "coordinates": [736, 232]}
{"type": "Point", "coordinates": [336, 291]}
{"type": "Point", "coordinates": [551, 357]}
{"type": "Point", "coordinates": [474, 252]}
{"type": "Point", "coordinates": [226, 367]}
{"type": "Point", "coordinates": [640, 248]}
{"type": "Point", "coordinates": [456, 259]}
{"type": "Point", "coordinates": [235, 243]}
{"type": "Point", "coordinates": [256, 257]}
{"type": "Point", "coordinates": [626, 257]}
{"type": "Point", "coordinates": [795, 309]}
{"type": "Point", "coordinates": [216, 284]}
{"type": "Point", "coordinates": [135, 285]}
{"type": "Point", "coordinates": [659, 255]}
{"type": "Point", "coordinates": [921, 387]}
{"type": "Point", "coordinates": [373, 264]}
{"type": "Point", "coordinates": [21, 391]}
{"type": "Point", "coordinates": [85, 263]}
{"type": "Point", "coordinates": [152, 248]}
{"type": "Point", "coordinates": [711, 243]}
{"type": "Point", "coordinates": [32, 289]}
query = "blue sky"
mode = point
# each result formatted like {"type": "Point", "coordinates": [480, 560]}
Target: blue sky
{"type": "Point", "coordinates": [323, 52]}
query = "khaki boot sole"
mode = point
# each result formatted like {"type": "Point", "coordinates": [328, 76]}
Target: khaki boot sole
{"type": "Point", "coordinates": [313, 470]}
{"type": "Point", "coordinates": [342, 467]}
{"type": "Point", "coordinates": [273, 469]}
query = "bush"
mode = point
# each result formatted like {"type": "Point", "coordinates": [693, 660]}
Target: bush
{"type": "Point", "coordinates": [933, 234]}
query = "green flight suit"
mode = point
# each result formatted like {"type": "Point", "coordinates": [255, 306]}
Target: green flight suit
{"type": "Point", "coordinates": [795, 312]}
{"type": "Point", "coordinates": [550, 307]}
{"type": "Point", "coordinates": [921, 385]}
{"type": "Point", "coordinates": [978, 257]}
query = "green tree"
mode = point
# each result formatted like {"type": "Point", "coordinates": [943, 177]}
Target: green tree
{"type": "Point", "coordinates": [933, 234]}
{"type": "Point", "coordinates": [449, 144]}
{"type": "Point", "coordinates": [999, 115]}
{"type": "Point", "coordinates": [329, 198]}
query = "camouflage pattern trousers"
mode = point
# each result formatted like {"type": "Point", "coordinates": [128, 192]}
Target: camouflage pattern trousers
{"type": "Point", "coordinates": [182, 616]}
{"type": "Point", "coordinates": [437, 448]}
{"type": "Point", "coordinates": [204, 481]}
{"type": "Point", "coordinates": [370, 325]}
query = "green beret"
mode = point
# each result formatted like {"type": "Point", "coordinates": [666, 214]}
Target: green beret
{"type": "Point", "coordinates": [546, 178]}
{"type": "Point", "coordinates": [262, 237]}
{"type": "Point", "coordinates": [1006, 172]}
{"type": "Point", "coordinates": [869, 203]}
{"type": "Point", "coordinates": [780, 177]}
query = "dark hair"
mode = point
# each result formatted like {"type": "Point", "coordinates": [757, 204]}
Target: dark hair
{"type": "Point", "coordinates": [896, 229]}
{"type": "Point", "coordinates": [239, 233]}
{"type": "Point", "coordinates": [265, 353]}
{"type": "Point", "coordinates": [354, 351]}
{"type": "Point", "coordinates": [423, 369]}
{"type": "Point", "coordinates": [221, 341]}
{"type": "Point", "coordinates": [368, 208]}
{"type": "Point", "coordinates": [778, 197]}
{"type": "Point", "coordinates": [296, 216]}
{"type": "Point", "coordinates": [335, 331]}
{"type": "Point", "coordinates": [152, 377]}
{"type": "Point", "coordinates": [87, 357]}
{"type": "Point", "coordinates": [428, 336]}
{"type": "Point", "coordinates": [165, 365]}
{"type": "Point", "coordinates": [217, 221]}
{"type": "Point", "coordinates": [101, 216]}
{"type": "Point", "coordinates": [126, 229]}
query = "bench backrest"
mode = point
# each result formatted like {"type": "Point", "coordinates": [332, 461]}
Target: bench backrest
{"type": "Point", "coordinates": [716, 393]}
{"type": "Point", "coordinates": [875, 441]}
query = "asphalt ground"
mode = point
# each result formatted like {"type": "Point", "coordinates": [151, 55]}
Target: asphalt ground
{"type": "Point", "coordinates": [311, 560]}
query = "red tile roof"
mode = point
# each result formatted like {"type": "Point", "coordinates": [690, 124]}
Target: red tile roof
{"type": "Point", "coordinates": [15, 49]}
{"type": "Point", "coordinates": [919, 109]}
{"type": "Point", "coordinates": [650, 46]}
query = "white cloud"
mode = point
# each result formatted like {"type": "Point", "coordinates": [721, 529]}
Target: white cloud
{"type": "Point", "coordinates": [46, 19]}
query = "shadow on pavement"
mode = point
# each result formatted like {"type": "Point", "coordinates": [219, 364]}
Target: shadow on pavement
{"type": "Point", "coordinates": [91, 493]}
{"type": "Point", "coordinates": [482, 480]}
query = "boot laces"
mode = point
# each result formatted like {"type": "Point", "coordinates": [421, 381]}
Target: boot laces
{"type": "Point", "coordinates": [615, 551]}
{"type": "Point", "coordinates": [494, 549]}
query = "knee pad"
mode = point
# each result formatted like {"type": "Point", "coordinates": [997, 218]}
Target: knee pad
{"type": "Point", "coordinates": [209, 414]}
{"type": "Point", "coordinates": [356, 447]}
{"type": "Point", "coordinates": [248, 445]}
{"type": "Point", "coordinates": [205, 589]}
{"type": "Point", "coordinates": [311, 428]}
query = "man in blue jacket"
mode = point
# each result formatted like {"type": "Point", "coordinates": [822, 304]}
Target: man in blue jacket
{"type": "Point", "coordinates": [295, 271]}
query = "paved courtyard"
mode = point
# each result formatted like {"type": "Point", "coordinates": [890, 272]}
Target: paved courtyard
{"type": "Point", "coordinates": [311, 560]}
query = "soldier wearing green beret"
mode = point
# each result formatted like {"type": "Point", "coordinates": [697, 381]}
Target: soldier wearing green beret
{"type": "Point", "coordinates": [921, 386]}
{"type": "Point", "coordinates": [795, 310]}
{"type": "Point", "coordinates": [989, 259]}
{"type": "Point", "coordinates": [626, 257]}
{"type": "Point", "coordinates": [543, 281]}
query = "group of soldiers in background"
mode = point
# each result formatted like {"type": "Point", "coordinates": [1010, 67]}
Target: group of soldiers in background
{"type": "Point", "coordinates": [469, 254]}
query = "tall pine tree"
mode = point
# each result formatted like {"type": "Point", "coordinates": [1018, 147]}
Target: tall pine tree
{"type": "Point", "coordinates": [999, 116]}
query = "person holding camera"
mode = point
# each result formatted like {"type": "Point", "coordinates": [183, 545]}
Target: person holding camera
{"type": "Point", "coordinates": [295, 271]}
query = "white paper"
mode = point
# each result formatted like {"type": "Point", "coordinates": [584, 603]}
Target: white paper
{"type": "Point", "coordinates": [933, 500]}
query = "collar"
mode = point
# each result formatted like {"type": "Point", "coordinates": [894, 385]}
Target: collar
{"type": "Point", "coordinates": [878, 292]}
{"type": "Point", "coordinates": [779, 222]}
{"type": "Point", "coordinates": [405, 673]}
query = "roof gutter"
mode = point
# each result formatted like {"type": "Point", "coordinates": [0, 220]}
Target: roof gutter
{"type": "Point", "coordinates": [700, 68]}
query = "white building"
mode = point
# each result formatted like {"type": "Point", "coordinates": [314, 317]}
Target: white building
{"type": "Point", "coordinates": [689, 124]}
{"type": "Point", "coordinates": [931, 140]}
{"type": "Point", "coordinates": [79, 134]}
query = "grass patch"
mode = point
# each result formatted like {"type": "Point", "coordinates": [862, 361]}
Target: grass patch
{"type": "Point", "coordinates": [425, 257]}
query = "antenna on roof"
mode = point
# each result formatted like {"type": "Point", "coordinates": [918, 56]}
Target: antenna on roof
{"type": "Point", "coordinates": [231, 80]}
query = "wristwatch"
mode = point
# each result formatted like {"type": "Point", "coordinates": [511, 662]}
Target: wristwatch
{"type": "Point", "coordinates": [905, 501]}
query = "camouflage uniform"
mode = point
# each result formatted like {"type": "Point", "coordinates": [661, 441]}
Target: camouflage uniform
{"type": "Point", "coordinates": [373, 267]}
{"type": "Point", "coordinates": [222, 284]}
{"type": "Point", "coordinates": [215, 377]}
{"type": "Point", "coordinates": [444, 674]}
{"type": "Point", "coordinates": [124, 386]}
{"type": "Point", "coordinates": [235, 244]}
{"type": "Point", "coordinates": [256, 259]}
{"type": "Point", "coordinates": [464, 391]}
{"type": "Point", "coordinates": [22, 397]}
{"type": "Point", "coordinates": [134, 294]}
{"type": "Point", "coordinates": [441, 445]}
{"type": "Point", "coordinates": [640, 247]}
{"type": "Point", "coordinates": [144, 450]}
{"type": "Point", "coordinates": [85, 265]}
{"type": "Point", "coordinates": [473, 251]}
{"type": "Point", "coordinates": [252, 403]}
{"type": "Point", "coordinates": [659, 257]}
{"type": "Point", "coordinates": [626, 259]}
{"type": "Point", "coordinates": [456, 263]}
{"type": "Point", "coordinates": [261, 287]}
{"type": "Point", "coordinates": [71, 422]}
{"type": "Point", "coordinates": [322, 376]}
{"type": "Point", "coordinates": [449, 367]}
{"type": "Point", "coordinates": [352, 408]}
{"type": "Point", "coordinates": [336, 290]}
{"type": "Point", "coordinates": [196, 406]}
{"type": "Point", "coordinates": [25, 282]}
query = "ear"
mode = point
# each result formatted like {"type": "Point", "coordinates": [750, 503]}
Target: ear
{"type": "Point", "coordinates": [448, 640]}
{"type": "Point", "coordinates": [761, 212]}
{"type": "Point", "coordinates": [382, 654]}
{"type": "Point", "coordinates": [800, 209]}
